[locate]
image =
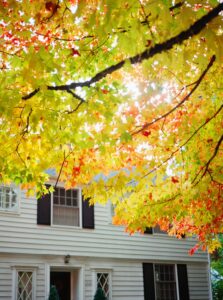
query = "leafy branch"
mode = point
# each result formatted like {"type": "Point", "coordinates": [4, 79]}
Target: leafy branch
{"type": "Point", "coordinates": [206, 166]}
{"type": "Point", "coordinates": [185, 143]}
{"type": "Point", "coordinates": [193, 30]}
{"type": "Point", "coordinates": [197, 83]}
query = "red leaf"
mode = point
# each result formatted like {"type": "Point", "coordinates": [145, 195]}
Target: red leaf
{"type": "Point", "coordinates": [75, 52]}
{"type": "Point", "coordinates": [105, 91]}
{"type": "Point", "coordinates": [146, 133]}
{"type": "Point", "coordinates": [50, 6]}
{"type": "Point", "coordinates": [174, 179]}
{"type": "Point", "coordinates": [148, 44]}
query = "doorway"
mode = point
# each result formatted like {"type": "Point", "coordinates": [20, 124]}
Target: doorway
{"type": "Point", "coordinates": [62, 282]}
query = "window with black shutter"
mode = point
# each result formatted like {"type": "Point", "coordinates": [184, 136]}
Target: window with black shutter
{"type": "Point", "coordinates": [160, 282]}
{"type": "Point", "coordinates": [63, 207]}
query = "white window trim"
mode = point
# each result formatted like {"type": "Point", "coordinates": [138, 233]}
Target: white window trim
{"type": "Point", "coordinates": [80, 210]}
{"type": "Point", "coordinates": [17, 269]}
{"type": "Point", "coordinates": [176, 277]}
{"type": "Point", "coordinates": [16, 210]}
{"type": "Point", "coordinates": [94, 280]}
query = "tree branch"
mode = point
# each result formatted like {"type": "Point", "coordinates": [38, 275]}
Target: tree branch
{"type": "Point", "coordinates": [193, 30]}
{"type": "Point", "coordinates": [33, 93]}
{"type": "Point", "coordinates": [208, 163]}
{"type": "Point", "coordinates": [197, 83]}
{"type": "Point", "coordinates": [185, 143]}
{"type": "Point", "coordinates": [62, 165]}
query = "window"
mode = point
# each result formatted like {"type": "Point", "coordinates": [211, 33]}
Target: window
{"type": "Point", "coordinates": [8, 198]}
{"type": "Point", "coordinates": [66, 207]}
{"type": "Point", "coordinates": [25, 285]}
{"type": "Point", "coordinates": [165, 282]}
{"type": "Point", "coordinates": [157, 230]}
{"type": "Point", "coordinates": [103, 281]}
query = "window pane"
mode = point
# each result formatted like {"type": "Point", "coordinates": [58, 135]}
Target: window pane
{"type": "Point", "coordinates": [68, 193]}
{"type": "Point", "coordinates": [69, 202]}
{"type": "Point", "coordinates": [157, 229]}
{"type": "Point", "coordinates": [8, 198]}
{"type": "Point", "coordinates": [25, 286]}
{"type": "Point", "coordinates": [165, 282]}
{"type": "Point", "coordinates": [66, 208]}
{"type": "Point", "coordinates": [103, 283]}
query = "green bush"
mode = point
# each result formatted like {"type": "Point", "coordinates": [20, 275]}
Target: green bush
{"type": "Point", "coordinates": [53, 293]}
{"type": "Point", "coordinates": [217, 290]}
{"type": "Point", "coordinates": [99, 295]}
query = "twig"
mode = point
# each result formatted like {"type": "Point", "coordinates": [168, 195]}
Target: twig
{"type": "Point", "coordinates": [61, 168]}
{"type": "Point", "coordinates": [164, 201]}
{"type": "Point", "coordinates": [212, 178]}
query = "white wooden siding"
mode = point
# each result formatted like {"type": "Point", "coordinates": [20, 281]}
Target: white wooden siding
{"type": "Point", "coordinates": [8, 265]}
{"type": "Point", "coordinates": [198, 281]}
{"type": "Point", "coordinates": [21, 234]}
{"type": "Point", "coordinates": [126, 276]}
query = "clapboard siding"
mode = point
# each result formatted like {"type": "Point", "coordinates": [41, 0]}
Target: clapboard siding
{"type": "Point", "coordinates": [126, 275]}
{"type": "Point", "coordinates": [126, 279]}
{"type": "Point", "coordinates": [198, 280]}
{"type": "Point", "coordinates": [7, 266]}
{"type": "Point", "coordinates": [5, 281]}
{"type": "Point", "coordinates": [21, 234]}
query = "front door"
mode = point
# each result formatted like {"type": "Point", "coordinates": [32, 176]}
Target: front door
{"type": "Point", "coordinates": [61, 280]}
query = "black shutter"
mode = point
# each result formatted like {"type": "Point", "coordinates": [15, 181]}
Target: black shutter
{"type": "Point", "coordinates": [183, 282]}
{"type": "Point", "coordinates": [87, 214]}
{"type": "Point", "coordinates": [149, 230]}
{"type": "Point", "coordinates": [44, 209]}
{"type": "Point", "coordinates": [148, 281]}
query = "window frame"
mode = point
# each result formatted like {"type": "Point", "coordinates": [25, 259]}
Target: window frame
{"type": "Point", "coordinates": [175, 275]}
{"type": "Point", "coordinates": [16, 271]}
{"type": "Point", "coordinates": [16, 209]}
{"type": "Point", "coordinates": [105, 271]}
{"type": "Point", "coordinates": [79, 205]}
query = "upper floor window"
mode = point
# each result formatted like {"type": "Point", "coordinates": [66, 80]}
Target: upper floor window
{"type": "Point", "coordinates": [66, 207]}
{"type": "Point", "coordinates": [158, 230]}
{"type": "Point", "coordinates": [8, 198]}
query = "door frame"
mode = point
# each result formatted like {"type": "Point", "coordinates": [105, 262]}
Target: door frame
{"type": "Point", "coordinates": [62, 268]}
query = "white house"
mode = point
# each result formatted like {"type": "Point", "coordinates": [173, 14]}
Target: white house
{"type": "Point", "coordinates": [60, 240]}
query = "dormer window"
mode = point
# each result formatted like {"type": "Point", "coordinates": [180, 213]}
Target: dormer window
{"type": "Point", "coordinates": [8, 198]}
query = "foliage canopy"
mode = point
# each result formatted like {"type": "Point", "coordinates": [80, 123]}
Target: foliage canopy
{"type": "Point", "coordinates": [121, 97]}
